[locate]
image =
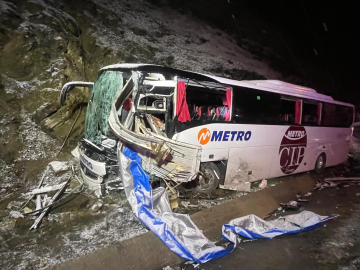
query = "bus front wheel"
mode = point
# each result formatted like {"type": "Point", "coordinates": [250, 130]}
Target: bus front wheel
{"type": "Point", "coordinates": [209, 178]}
{"type": "Point", "coordinates": [320, 163]}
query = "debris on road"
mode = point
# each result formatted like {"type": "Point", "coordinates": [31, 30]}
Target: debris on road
{"type": "Point", "coordinates": [58, 166]}
{"type": "Point", "coordinates": [263, 184]}
{"type": "Point", "coordinates": [45, 189]}
{"type": "Point", "coordinates": [97, 206]}
{"type": "Point", "coordinates": [302, 200]}
{"type": "Point", "coordinates": [357, 179]}
{"type": "Point", "coordinates": [43, 203]}
{"type": "Point", "coordinates": [47, 209]}
{"type": "Point", "coordinates": [253, 227]}
{"type": "Point", "coordinates": [16, 214]}
{"type": "Point", "coordinates": [336, 181]}
{"type": "Point", "coordinates": [27, 210]}
{"type": "Point", "coordinates": [290, 205]}
{"type": "Point", "coordinates": [39, 186]}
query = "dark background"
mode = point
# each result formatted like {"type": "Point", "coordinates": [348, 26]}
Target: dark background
{"type": "Point", "coordinates": [317, 41]}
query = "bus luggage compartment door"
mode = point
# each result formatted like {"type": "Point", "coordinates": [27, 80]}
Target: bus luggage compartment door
{"type": "Point", "coordinates": [246, 165]}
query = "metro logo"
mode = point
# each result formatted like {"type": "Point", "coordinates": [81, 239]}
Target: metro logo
{"type": "Point", "coordinates": [292, 149]}
{"type": "Point", "coordinates": [295, 134]}
{"type": "Point", "coordinates": [204, 136]}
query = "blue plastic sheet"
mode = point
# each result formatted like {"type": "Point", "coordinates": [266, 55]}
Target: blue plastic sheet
{"type": "Point", "coordinates": [181, 235]}
{"type": "Point", "coordinates": [176, 231]}
{"type": "Point", "coordinates": [254, 227]}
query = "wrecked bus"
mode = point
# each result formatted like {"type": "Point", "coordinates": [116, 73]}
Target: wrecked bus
{"type": "Point", "coordinates": [203, 132]}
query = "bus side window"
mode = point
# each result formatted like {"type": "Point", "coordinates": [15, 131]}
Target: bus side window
{"type": "Point", "coordinates": [207, 104]}
{"type": "Point", "coordinates": [287, 111]}
{"type": "Point", "coordinates": [334, 115]}
{"type": "Point", "coordinates": [328, 115]}
{"type": "Point", "coordinates": [344, 116]}
{"type": "Point", "coordinates": [310, 113]}
{"type": "Point", "coordinates": [253, 106]}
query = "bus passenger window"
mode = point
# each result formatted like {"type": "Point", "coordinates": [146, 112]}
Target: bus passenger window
{"type": "Point", "coordinates": [253, 106]}
{"type": "Point", "coordinates": [310, 114]}
{"type": "Point", "coordinates": [344, 116]}
{"type": "Point", "coordinates": [207, 104]}
{"type": "Point", "coordinates": [287, 111]}
{"type": "Point", "coordinates": [328, 115]}
{"type": "Point", "coordinates": [334, 115]}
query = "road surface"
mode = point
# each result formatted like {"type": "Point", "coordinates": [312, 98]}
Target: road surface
{"type": "Point", "coordinates": [335, 245]}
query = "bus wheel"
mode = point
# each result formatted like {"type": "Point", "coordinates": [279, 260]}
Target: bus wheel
{"type": "Point", "coordinates": [209, 180]}
{"type": "Point", "coordinates": [320, 163]}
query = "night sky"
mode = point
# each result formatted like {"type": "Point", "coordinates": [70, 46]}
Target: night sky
{"type": "Point", "coordinates": [321, 38]}
{"type": "Point", "coordinates": [325, 39]}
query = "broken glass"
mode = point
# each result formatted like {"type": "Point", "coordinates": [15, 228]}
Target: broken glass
{"type": "Point", "coordinates": [106, 88]}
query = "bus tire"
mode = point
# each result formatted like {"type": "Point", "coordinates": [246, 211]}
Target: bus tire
{"type": "Point", "coordinates": [210, 178]}
{"type": "Point", "coordinates": [320, 163]}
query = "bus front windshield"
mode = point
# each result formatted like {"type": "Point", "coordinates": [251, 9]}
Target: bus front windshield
{"type": "Point", "coordinates": [106, 89]}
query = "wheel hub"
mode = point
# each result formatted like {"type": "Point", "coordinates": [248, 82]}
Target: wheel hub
{"type": "Point", "coordinates": [206, 180]}
{"type": "Point", "coordinates": [320, 162]}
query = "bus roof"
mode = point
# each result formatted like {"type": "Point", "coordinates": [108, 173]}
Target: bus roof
{"type": "Point", "coordinates": [265, 85]}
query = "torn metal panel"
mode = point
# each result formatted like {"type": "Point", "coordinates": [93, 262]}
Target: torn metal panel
{"type": "Point", "coordinates": [155, 127]}
{"type": "Point", "coordinates": [147, 142]}
{"type": "Point", "coordinates": [45, 190]}
{"type": "Point", "coordinates": [162, 156]}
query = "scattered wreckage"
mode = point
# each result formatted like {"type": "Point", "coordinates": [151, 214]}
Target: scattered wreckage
{"type": "Point", "coordinates": [43, 202]}
{"type": "Point", "coordinates": [336, 181]}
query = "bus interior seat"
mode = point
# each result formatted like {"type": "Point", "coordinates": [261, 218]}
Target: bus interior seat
{"type": "Point", "coordinates": [288, 118]}
{"type": "Point", "coordinates": [194, 111]}
{"type": "Point", "coordinates": [310, 119]}
{"type": "Point", "coordinates": [203, 112]}
{"type": "Point", "coordinates": [221, 111]}
{"type": "Point", "coordinates": [197, 113]}
{"type": "Point", "coordinates": [211, 113]}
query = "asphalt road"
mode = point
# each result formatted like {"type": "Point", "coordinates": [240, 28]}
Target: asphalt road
{"type": "Point", "coordinates": [335, 245]}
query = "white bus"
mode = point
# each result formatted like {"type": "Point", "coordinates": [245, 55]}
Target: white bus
{"type": "Point", "coordinates": [208, 130]}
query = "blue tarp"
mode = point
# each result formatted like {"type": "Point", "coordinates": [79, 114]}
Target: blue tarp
{"type": "Point", "coordinates": [181, 235]}
{"type": "Point", "coordinates": [254, 227]}
{"type": "Point", "coordinates": [177, 231]}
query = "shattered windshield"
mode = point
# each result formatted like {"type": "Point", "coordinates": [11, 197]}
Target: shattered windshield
{"type": "Point", "coordinates": [106, 89]}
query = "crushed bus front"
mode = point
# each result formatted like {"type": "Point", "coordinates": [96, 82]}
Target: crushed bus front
{"type": "Point", "coordinates": [139, 108]}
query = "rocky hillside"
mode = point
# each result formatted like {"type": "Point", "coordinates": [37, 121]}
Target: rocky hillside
{"type": "Point", "coordinates": [46, 43]}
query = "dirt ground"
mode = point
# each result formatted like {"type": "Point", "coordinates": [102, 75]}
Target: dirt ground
{"type": "Point", "coordinates": [335, 245]}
